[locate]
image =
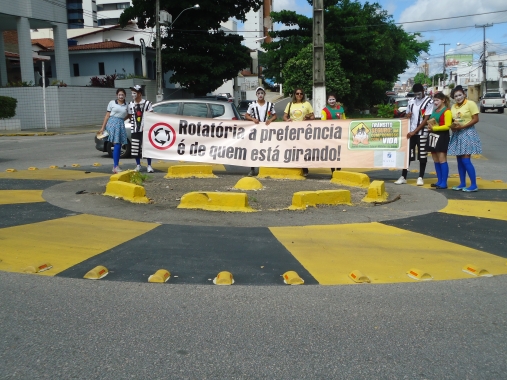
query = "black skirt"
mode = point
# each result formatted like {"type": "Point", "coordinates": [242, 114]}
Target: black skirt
{"type": "Point", "coordinates": [438, 141]}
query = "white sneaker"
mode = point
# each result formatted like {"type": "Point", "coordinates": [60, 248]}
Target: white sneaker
{"type": "Point", "coordinates": [150, 169]}
{"type": "Point", "coordinates": [117, 169]}
{"type": "Point", "coordinates": [400, 181]}
{"type": "Point", "coordinates": [138, 168]}
{"type": "Point", "coordinates": [420, 181]}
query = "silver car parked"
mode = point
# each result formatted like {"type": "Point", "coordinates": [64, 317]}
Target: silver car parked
{"type": "Point", "coordinates": [207, 108]}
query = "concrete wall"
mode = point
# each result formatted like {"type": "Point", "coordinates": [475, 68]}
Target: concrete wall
{"type": "Point", "coordinates": [65, 106]}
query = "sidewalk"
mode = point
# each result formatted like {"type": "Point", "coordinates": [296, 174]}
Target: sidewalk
{"type": "Point", "coordinates": [54, 131]}
{"type": "Point", "coordinates": [273, 97]}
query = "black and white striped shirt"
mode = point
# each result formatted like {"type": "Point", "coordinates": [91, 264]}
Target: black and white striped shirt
{"type": "Point", "coordinates": [136, 112]}
{"type": "Point", "coordinates": [261, 113]}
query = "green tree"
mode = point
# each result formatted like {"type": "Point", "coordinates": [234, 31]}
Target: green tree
{"type": "Point", "coordinates": [297, 72]}
{"type": "Point", "coordinates": [201, 55]}
{"type": "Point", "coordinates": [422, 79]}
{"type": "Point", "coordinates": [374, 51]}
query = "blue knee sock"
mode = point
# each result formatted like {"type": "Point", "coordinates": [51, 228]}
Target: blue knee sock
{"type": "Point", "coordinates": [462, 172]}
{"type": "Point", "coordinates": [138, 161]}
{"type": "Point", "coordinates": [116, 154]}
{"type": "Point", "coordinates": [149, 161]}
{"type": "Point", "coordinates": [438, 169]}
{"type": "Point", "coordinates": [444, 167]}
{"type": "Point", "coordinates": [469, 167]}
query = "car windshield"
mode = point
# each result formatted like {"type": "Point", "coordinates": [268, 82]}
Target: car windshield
{"type": "Point", "coordinates": [402, 103]}
{"type": "Point", "coordinates": [493, 95]}
{"type": "Point", "coordinates": [244, 104]}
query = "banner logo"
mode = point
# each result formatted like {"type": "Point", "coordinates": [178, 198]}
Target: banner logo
{"type": "Point", "coordinates": [162, 136]}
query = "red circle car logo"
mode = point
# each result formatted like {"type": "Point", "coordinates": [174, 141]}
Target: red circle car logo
{"type": "Point", "coordinates": [162, 136]}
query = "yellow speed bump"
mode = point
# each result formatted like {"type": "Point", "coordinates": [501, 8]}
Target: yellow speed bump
{"type": "Point", "coordinates": [497, 181]}
{"type": "Point", "coordinates": [37, 268]}
{"type": "Point", "coordinates": [476, 271]}
{"type": "Point", "coordinates": [76, 165]}
{"type": "Point", "coordinates": [224, 278]}
{"type": "Point", "coordinates": [53, 167]}
{"type": "Point", "coordinates": [248, 183]}
{"type": "Point", "coordinates": [281, 173]}
{"type": "Point", "coordinates": [33, 168]}
{"type": "Point", "coordinates": [97, 273]}
{"type": "Point", "coordinates": [123, 176]}
{"type": "Point", "coordinates": [160, 276]}
{"type": "Point", "coordinates": [189, 171]}
{"type": "Point", "coordinates": [292, 278]}
{"type": "Point", "coordinates": [128, 191]}
{"type": "Point", "coordinates": [359, 277]}
{"type": "Point", "coordinates": [419, 275]}
{"type": "Point", "coordinates": [376, 192]}
{"type": "Point", "coordinates": [96, 164]}
{"type": "Point", "coordinates": [216, 201]}
{"type": "Point", "coordinates": [353, 179]}
{"type": "Point", "coordinates": [303, 199]}
{"type": "Point", "coordinates": [11, 170]}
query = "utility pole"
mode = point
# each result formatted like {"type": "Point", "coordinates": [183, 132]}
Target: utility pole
{"type": "Point", "coordinates": [319, 62]}
{"type": "Point", "coordinates": [160, 93]}
{"type": "Point", "coordinates": [484, 79]}
{"type": "Point", "coordinates": [443, 73]}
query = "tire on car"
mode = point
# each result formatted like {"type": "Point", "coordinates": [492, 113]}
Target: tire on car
{"type": "Point", "coordinates": [125, 150]}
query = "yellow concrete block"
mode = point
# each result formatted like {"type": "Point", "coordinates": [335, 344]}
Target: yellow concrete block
{"type": "Point", "coordinates": [341, 177]}
{"type": "Point", "coordinates": [476, 271]}
{"type": "Point", "coordinates": [33, 168]}
{"type": "Point", "coordinates": [292, 278]}
{"type": "Point", "coordinates": [376, 192]}
{"type": "Point", "coordinates": [11, 170]}
{"type": "Point", "coordinates": [128, 191]}
{"type": "Point", "coordinates": [303, 199]}
{"type": "Point", "coordinates": [37, 268]}
{"type": "Point", "coordinates": [359, 277]}
{"type": "Point", "coordinates": [417, 274]}
{"type": "Point", "coordinates": [281, 173]}
{"type": "Point", "coordinates": [433, 173]}
{"type": "Point", "coordinates": [497, 180]}
{"type": "Point", "coordinates": [216, 201]}
{"type": "Point", "coordinates": [160, 276]}
{"type": "Point", "coordinates": [189, 171]}
{"type": "Point", "coordinates": [248, 183]}
{"type": "Point", "coordinates": [224, 278]}
{"type": "Point", "coordinates": [97, 273]}
{"type": "Point", "coordinates": [122, 176]}
{"type": "Point", "coordinates": [76, 165]}
{"type": "Point", "coordinates": [53, 167]}
{"type": "Point", "coordinates": [96, 164]}
{"type": "Point", "coordinates": [414, 171]}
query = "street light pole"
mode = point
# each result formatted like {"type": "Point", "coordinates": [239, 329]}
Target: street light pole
{"type": "Point", "coordinates": [160, 92]}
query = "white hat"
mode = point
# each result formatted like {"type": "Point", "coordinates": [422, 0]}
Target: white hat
{"type": "Point", "coordinates": [260, 88]}
{"type": "Point", "coordinates": [137, 88]}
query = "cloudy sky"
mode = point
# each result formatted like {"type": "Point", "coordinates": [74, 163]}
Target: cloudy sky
{"type": "Point", "coordinates": [447, 27]}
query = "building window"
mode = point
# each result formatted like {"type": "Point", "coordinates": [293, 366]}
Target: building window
{"type": "Point", "coordinates": [76, 69]}
{"type": "Point", "coordinates": [102, 70]}
{"type": "Point", "coordinates": [122, 5]}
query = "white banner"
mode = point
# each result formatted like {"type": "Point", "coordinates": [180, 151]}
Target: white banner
{"type": "Point", "coordinates": [363, 143]}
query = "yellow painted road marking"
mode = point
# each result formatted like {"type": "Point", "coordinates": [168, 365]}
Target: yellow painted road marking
{"type": "Point", "coordinates": [164, 165]}
{"type": "Point", "coordinates": [52, 174]}
{"type": "Point", "coordinates": [64, 242]}
{"type": "Point", "coordinates": [8, 197]}
{"type": "Point", "coordinates": [381, 252]}
{"type": "Point", "coordinates": [483, 184]}
{"type": "Point", "coordinates": [482, 209]}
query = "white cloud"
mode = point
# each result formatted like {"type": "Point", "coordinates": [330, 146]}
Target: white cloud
{"type": "Point", "coordinates": [431, 9]}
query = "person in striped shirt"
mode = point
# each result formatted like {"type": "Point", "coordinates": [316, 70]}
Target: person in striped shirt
{"type": "Point", "coordinates": [260, 111]}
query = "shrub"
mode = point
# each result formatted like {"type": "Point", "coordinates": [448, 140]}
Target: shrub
{"type": "Point", "coordinates": [7, 107]}
{"type": "Point", "coordinates": [107, 81]}
{"type": "Point", "coordinates": [385, 111]}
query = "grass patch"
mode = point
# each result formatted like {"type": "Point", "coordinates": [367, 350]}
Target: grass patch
{"type": "Point", "coordinates": [139, 178]}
